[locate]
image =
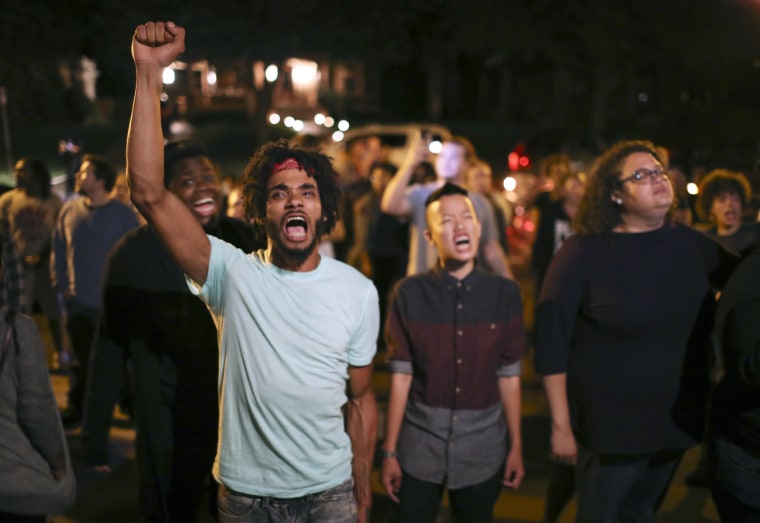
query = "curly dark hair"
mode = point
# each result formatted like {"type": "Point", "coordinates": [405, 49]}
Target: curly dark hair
{"type": "Point", "coordinates": [718, 182]}
{"type": "Point", "coordinates": [597, 213]}
{"type": "Point", "coordinates": [259, 170]}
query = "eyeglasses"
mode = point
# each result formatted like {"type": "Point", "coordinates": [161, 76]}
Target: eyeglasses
{"type": "Point", "coordinates": [643, 176]}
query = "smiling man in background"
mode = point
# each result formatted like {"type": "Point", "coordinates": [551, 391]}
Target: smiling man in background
{"type": "Point", "coordinates": [170, 340]}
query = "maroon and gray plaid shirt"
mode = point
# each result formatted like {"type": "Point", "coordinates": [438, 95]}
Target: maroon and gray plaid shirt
{"type": "Point", "coordinates": [456, 338]}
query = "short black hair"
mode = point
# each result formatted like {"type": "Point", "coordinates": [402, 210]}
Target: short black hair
{"type": "Point", "coordinates": [175, 152]}
{"type": "Point", "coordinates": [104, 170]}
{"type": "Point", "coordinates": [447, 189]}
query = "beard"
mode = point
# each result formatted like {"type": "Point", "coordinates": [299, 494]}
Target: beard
{"type": "Point", "coordinates": [294, 256]}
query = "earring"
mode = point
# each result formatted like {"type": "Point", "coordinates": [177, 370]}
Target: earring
{"type": "Point", "coordinates": [618, 201]}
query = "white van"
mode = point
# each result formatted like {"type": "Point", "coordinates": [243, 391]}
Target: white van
{"type": "Point", "coordinates": [395, 141]}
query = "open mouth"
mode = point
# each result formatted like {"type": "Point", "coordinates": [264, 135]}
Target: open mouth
{"type": "Point", "coordinates": [205, 207]}
{"type": "Point", "coordinates": [462, 241]}
{"type": "Point", "coordinates": [295, 227]}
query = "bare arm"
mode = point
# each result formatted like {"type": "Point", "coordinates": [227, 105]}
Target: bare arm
{"type": "Point", "coordinates": [399, 394]}
{"type": "Point", "coordinates": [156, 45]}
{"type": "Point", "coordinates": [394, 200]}
{"type": "Point", "coordinates": [361, 416]}
{"type": "Point", "coordinates": [497, 259]}
{"type": "Point", "coordinates": [563, 446]}
{"type": "Point", "coordinates": [514, 470]}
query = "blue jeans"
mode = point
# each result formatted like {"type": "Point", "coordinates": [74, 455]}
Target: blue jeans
{"type": "Point", "coordinates": [622, 489]}
{"type": "Point", "coordinates": [734, 476]}
{"type": "Point", "coordinates": [421, 500]}
{"type": "Point", "coordinates": [335, 505]}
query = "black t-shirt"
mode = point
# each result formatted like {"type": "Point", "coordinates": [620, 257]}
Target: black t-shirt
{"type": "Point", "coordinates": [628, 318]}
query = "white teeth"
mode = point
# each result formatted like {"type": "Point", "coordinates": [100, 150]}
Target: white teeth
{"type": "Point", "coordinates": [204, 201]}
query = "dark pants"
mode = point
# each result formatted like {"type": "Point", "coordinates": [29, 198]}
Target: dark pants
{"type": "Point", "coordinates": [734, 476]}
{"type": "Point", "coordinates": [419, 501]}
{"type": "Point", "coordinates": [81, 325]}
{"type": "Point", "coordinates": [559, 492]}
{"type": "Point", "coordinates": [622, 489]}
{"type": "Point", "coordinates": [105, 383]}
{"type": "Point", "coordinates": [177, 423]}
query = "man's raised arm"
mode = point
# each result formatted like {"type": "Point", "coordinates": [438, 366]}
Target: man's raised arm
{"type": "Point", "coordinates": [156, 45]}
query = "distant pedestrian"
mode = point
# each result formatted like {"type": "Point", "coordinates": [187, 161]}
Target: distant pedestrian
{"type": "Point", "coordinates": [86, 230]}
{"type": "Point", "coordinates": [28, 215]}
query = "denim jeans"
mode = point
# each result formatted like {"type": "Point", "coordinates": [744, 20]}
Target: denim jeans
{"type": "Point", "coordinates": [622, 489]}
{"type": "Point", "coordinates": [734, 476]}
{"type": "Point", "coordinates": [420, 500]}
{"type": "Point", "coordinates": [335, 505]}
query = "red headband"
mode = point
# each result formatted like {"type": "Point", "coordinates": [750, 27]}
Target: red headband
{"type": "Point", "coordinates": [290, 163]}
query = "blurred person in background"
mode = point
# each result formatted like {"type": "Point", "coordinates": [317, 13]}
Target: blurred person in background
{"type": "Point", "coordinates": [627, 301]}
{"type": "Point", "coordinates": [480, 181]}
{"type": "Point", "coordinates": [723, 196]}
{"type": "Point", "coordinates": [380, 239]}
{"type": "Point", "coordinates": [27, 216]}
{"type": "Point", "coordinates": [86, 230]}
{"type": "Point", "coordinates": [546, 191]}
{"type": "Point", "coordinates": [235, 204]}
{"type": "Point", "coordinates": [684, 212]}
{"type": "Point", "coordinates": [408, 202]}
{"type": "Point", "coordinates": [556, 223]}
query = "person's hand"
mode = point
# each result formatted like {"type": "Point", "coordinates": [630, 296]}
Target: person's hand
{"type": "Point", "coordinates": [419, 151]}
{"type": "Point", "coordinates": [514, 470]}
{"type": "Point", "coordinates": [157, 43]}
{"type": "Point", "coordinates": [390, 475]}
{"type": "Point", "coordinates": [563, 447]}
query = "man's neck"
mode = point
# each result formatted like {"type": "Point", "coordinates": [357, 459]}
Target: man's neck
{"type": "Point", "coordinates": [98, 199]}
{"type": "Point", "coordinates": [290, 263]}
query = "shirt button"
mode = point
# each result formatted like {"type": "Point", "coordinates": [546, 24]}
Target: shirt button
{"type": "Point", "coordinates": [455, 419]}
{"type": "Point", "coordinates": [493, 326]}
{"type": "Point", "coordinates": [457, 390]}
{"type": "Point", "coordinates": [459, 361]}
{"type": "Point", "coordinates": [459, 284]}
{"type": "Point", "coordinates": [459, 333]}
{"type": "Point", "coordinates": [459, 305]}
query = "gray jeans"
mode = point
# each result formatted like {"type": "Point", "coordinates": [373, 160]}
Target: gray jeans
{"type": "Point", "coordinates": [335, 505]}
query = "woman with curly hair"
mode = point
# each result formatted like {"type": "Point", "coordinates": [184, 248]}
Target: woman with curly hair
{"type": "Point", "coordinates": [622, 337]}
{"type": "Point", "coordinates": [723, 196]}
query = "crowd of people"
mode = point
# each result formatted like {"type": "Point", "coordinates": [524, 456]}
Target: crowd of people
{"type": "Point", "coordinates": [241, 329]}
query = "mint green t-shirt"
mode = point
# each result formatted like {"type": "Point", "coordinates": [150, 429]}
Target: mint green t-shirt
{"type": "Point", "coordinates": [286, 340]}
